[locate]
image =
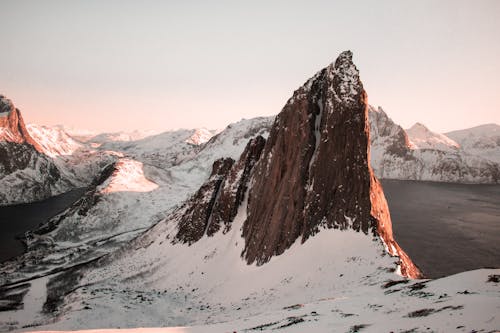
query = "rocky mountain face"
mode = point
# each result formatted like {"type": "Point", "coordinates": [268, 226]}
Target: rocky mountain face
{"type": "Point", "coordinates": [314, 173]}
{"type": "Point", "coordinates": [422, 154]}
{"type": "Point", "coordinates": [216, 203]}
{"type": "Point", "coordinates": [26, 173]}
{"type": "Point", "coordinates": [12, 127]}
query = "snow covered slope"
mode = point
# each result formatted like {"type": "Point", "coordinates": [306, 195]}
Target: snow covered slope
{"type": "Point", "coordinates": [120, 136]}
{"type": "Point", "coordinates": [425, 155]}
{"type": "Point", "coordinates": [54, 141]}
{"type": "Point", "coordinates": [129, 196]}
{"type": "Point", "coordinates": [423, 138]}
{"type": "Point", "coordinates": [481, 140]}
{"type": "Point", "coordinates": [466, 302]}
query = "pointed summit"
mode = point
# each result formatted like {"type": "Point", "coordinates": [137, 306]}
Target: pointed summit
{"type": "Point", "coordinates": [12, 127]}
{"type": "Point", "coordinates": [316, 161]}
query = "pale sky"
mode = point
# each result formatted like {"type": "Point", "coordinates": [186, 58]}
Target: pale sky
{"type": "Point", "coordinates": [125, 65]}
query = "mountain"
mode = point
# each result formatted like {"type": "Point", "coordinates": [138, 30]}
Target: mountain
{"type": "Point", "coordinates": [53, 141]}
{"type": "Point", "coordinates": [424, 155]}
{"type": "Point", "coordinates": [127, 196]}
{"type": "Point", "coordinates": [243, 239]}
{"type": "Point", "coordinates": [481, 140]}
{"type": "Point", "coordinates": [273, 223]}
{"type": "Point", "coordinates": [119, 136]}
{"type": "Point", "coordinates": [26, 173]}
{"type": "Point", "coordinates": [423, 138]}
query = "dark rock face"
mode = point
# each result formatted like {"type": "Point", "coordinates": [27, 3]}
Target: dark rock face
{"type": "Point", "coordinates": [195, 215]}
{"type": "Point", "coordinates": [314, 172]}
{"type": "Point", "coordinates": [216, 203]}
{"type": "Point", "coordinates": [235, 186]}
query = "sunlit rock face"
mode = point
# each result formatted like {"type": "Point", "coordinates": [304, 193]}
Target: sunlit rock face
{"type": "Point", "coordinates": [26, 174]}
{"type": "Point", "coordinates": [12, 127]}
{"type": "Point", "coordinates": [314, 172]}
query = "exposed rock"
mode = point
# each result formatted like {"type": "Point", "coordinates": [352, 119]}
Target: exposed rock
{"type": "Point", "coordinates": [314, 172]}
{"type": "Point", "coordinates": [216, 203]}
{"type": "Point", "coordinates": [12, 127]}
{"type": "Point", "coordinates": [195, 214]}
{"type": "Point", "coordinates": [235, 186]}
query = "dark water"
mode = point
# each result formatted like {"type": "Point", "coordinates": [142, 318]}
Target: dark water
{"type": "Point", "coordinates": [17, 219]}
{"type": "Point", "coordinates": [446, 228]}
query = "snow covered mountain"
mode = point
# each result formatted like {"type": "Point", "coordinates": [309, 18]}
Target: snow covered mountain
{"type": "Point", "coordinates": [422, 154]}
{"type": "Point", "coordinates": [255, 230]}
{"type": "Point", "coordinates": [423, 138]}
{"type": "Point", "coordinates": [481, 140]}
{"type": "Point", "coordinates": [26, 173]}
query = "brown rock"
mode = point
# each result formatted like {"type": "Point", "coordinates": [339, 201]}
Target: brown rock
{"type": "Point", "coordinates": [235, 186]}
{"type": "Point", "coordinates": [12, 128]}
{"type": "Point", "coordinates": [314, 172]}
{"type": "Point", "coordinates": [195, 214]}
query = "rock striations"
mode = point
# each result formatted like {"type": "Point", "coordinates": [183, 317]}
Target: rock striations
{"type": "Point", "coordinates": [313, 173]}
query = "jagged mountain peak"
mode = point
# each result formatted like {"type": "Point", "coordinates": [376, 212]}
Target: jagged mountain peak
{"type": "Point", "coordinates": [422, 137]}
{"type": "Point", "coordinates": [12, 127]}
{"type": "Point", "coordinates": [6, 105]}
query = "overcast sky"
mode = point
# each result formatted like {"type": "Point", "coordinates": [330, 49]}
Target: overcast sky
{"type": "Point", "coordinates": [124, 65]}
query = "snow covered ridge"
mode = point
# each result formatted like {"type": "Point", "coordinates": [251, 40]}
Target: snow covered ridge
{"type": "Point", "coordinates": [420, 154]}
{"type": "Point", "coordinates": [423, 138]}
{"type": "Point", "coordinates": [54, 141]}
{"type": "Point", "coordinates": [481, 140]}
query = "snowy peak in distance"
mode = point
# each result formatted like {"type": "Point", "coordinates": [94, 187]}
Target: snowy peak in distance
{"type": "Point", "coordinates": [483, 140]}
{"type": "Point", "coordinates": [121, 136]}
{"type": "Point", "coordinates": [423, 138]}
{"type": "Point", "coordinates": [53, 140]}
{"type": "Point", "coordinates": [201, 136]}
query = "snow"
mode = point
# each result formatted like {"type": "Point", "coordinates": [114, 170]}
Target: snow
{"type": "Point", "coordinates": [200, 136]}
{"type": "Point", "coordinates": [423, 138]}
{"type": "Point", "coordinates": [121, 136]}
{"type": "Point", "coordinates": [32, 304]}
{"type": "Point", "coordinates": [334, 281]}
{"type": "Point", "coordinates": [483, 141]}
{"type": "Point", "coordinates": [54, 141]}
{"type": "Point", "coordinates": [128, 176]}
{"type": "Point", "coordinates": [424, 155]}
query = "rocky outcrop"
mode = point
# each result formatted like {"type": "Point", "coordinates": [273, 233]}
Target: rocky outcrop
{"type": "Point", "coordinates": [216, 203]}
{"type": "Point", "coordinates": [312, 173]}
{"type": "Point", "coordinates": [315, 172]}
{"type": "Point", "coordinates": [235, 187]}
{"type": "Point", "coordinates": [195, 214]}
{"type": "Point", "coordinates": [12, 127]}
{"type": "Point", "coordinates": [26, 173]}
